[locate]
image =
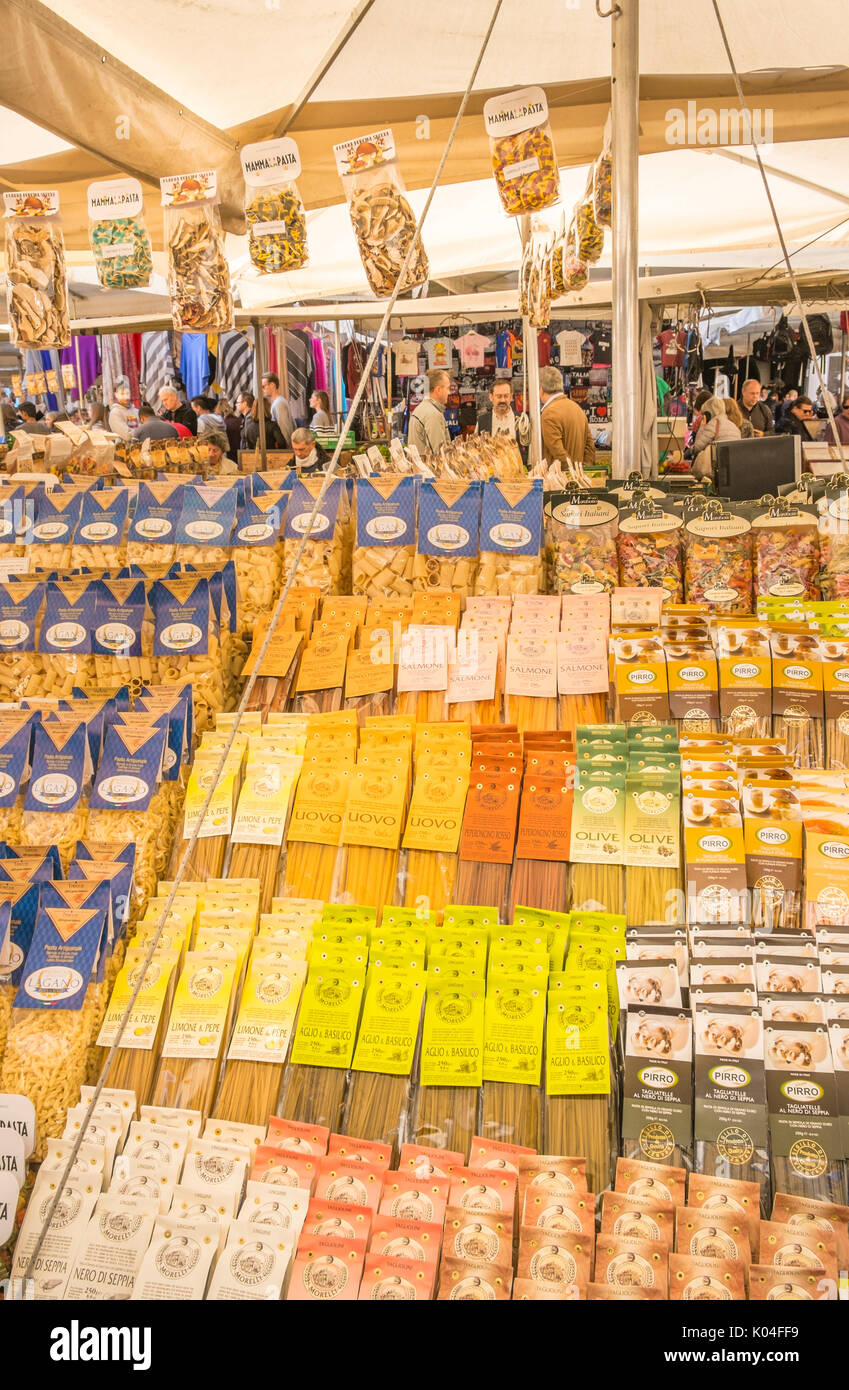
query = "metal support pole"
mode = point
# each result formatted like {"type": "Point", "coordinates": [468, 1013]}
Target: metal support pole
{"type": "Point", "coordinates": [337, 360]}
{"type": "Point", "coordinates": [841, 392]}
{"type": "Point", "coordinates": [531, 351]}
{"type": "Point", "coordinates": [259, 363]}
{"type": "Point", "coordinates": [625, 87]}
{"type": "Point", "coordinates": [388, 365]}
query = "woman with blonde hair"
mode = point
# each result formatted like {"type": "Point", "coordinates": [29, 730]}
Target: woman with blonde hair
{"type": "Point", "coordinates": [735, 415]}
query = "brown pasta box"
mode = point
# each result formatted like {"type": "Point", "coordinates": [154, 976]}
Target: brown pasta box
{"type": "Point", "coordinates": [794, 1247]}
{"type": "Point", "coordinates": [628, 1262]}
{"type": "Point", "coordinates": [554, 1257]}
{"type": "Point", "coordinates": [773, 1284]}
{"type": "Point", "coordinates": [559, 1211]}
{"type": "Point", "coordinates": [529, 1291]}
{"type": "Point", "coordinates": [460, 1282]}
{"type": "Point", "coordinates": [807, 1214]}
{"type": "Point", "coordinates": [728, 1194]}
{"type": "Point", "coordinates": [404, 1239]}
{"type": "Point", "coordinates": [719, 1235]}
{"type": "Point", "coordinates": [390, 1280]}
{"type": "Point", "coordinates": [623, 1293]}
{"type": "Point", "coordinates": [637, 1218]}
{"type": "Point", "coordinates": [556, 1174]}
{"type": "Point", "coordinates": [661, 1182]}
{"type": "Point", "coordinates": [478, 1237]}
{"type": "Point", "coordinates": [695, 1279]}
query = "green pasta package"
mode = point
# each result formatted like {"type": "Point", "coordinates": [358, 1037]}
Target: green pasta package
{"type": "Point", "coordinates": [118, 235]}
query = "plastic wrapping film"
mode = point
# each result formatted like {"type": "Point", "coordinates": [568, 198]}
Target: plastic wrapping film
{"type": "Point", "coordinates": [198, 273]}
{"type": "Point", "coordinates": [36, 272]}
{"type": "Point", "coordinates": [118, 234]}
{"type": "Point", "coordinates": [274, 212]}
{"type": "Point", "coordinates": [524, 162]}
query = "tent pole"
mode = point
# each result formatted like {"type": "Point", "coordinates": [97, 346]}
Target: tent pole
{"type": "Point", "coordinates": [531, 351]}
{"type": "Point", "coordinates": [76, 338]}
{"type": "Point", "coordinates": [337, 355]}
{"type": "Point", "coordinates": [842, 391]}
{"type": "Point", "coordinates": [625, 88]}
{"type": "Point", "coordinates": [260, 399]}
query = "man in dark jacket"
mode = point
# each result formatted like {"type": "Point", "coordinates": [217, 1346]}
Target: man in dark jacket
{"type": "Point", "coordinates": [500, 419]}
{"type": "Point", "coordinates": [794, 420]}
{"type": "Point", "coordinates": [152, 427]}
{"type": "Point", "coordinates": [176, 410]}
{"type": "Point", "coordinates": [753, 409]}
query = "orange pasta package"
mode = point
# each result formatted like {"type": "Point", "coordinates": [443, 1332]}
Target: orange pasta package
{"type": "Point", "coordinates": [406, 1237]}
{"type": "Point", "coordinates": [388, 1279]}
{"type": "Point", "coordinates": [478, 1237]}
{"type": "Point", "coordinates": [697, 1279]}
{"type": "Point", "coordinates": [637, 1218]}
{"type": "Point", "coordinates": [487, 841]}
{"type": "Point", "coordinates": [554, 1258]}
{"type": "Point", "coordinates": [558, 1211]}
{"type": "Point", "coordinates": [327, 1269]}
{"type": "Point", "coordinates": [461, 1282]}
{"type": "Point", "coordinates": [626, 1262]}
{"type": "Point", "coordinates": [522, 150]}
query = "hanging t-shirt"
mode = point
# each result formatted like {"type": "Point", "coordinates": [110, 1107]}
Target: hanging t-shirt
{"type": "Point", "coordinates": [406, 357]}
{"type": "Point", "coordinates": [194, 363]}
{"type": "Point", "coordinates": [570, 342]}
{"type": "Point", "coordinates": [504, 343]}
{"type": "Point", "coordinates": [378, 366]}
{"type": "Point", "coordinates": [471, 347]}
{"type": "Point", "coordinates": [544, 348]}
{"type": "Point", "coordinates": [601, 346]}
{"type": "Point", "coordinates": [721, 386]}
{"type": "Point", "coordinates": [439, 353]}
{"type": "Point", "coordinates": [672, 342]}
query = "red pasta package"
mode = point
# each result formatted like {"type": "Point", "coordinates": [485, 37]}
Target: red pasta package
{"type": "Point", "coordinates": [718, 557]}
{"type": "Point", "coordinates": [787, 556]}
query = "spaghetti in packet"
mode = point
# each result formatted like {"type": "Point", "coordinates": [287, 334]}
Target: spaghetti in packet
{"type": "Point", "coordinates": [522, 150]}
{"type": "Point", "coordinates": [198, 274]}
{"type": "Point", "coordinates": [274, 212]}
{"type": "Point", "coordinates": [118, 235]}
{"type": "Point", "coordinates": [383, 221]}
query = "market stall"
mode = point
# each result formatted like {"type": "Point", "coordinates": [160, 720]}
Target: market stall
{"type": "Point", "coordinates": [425, 878]}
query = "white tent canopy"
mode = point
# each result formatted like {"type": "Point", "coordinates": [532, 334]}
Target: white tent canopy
{"type": "Point", "coordinates": [231, 72]}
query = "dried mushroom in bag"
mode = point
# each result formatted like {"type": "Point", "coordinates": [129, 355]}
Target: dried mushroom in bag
{"type": "Point", "coordinates": [198, 273]}
{"type": "Point", "coordinates": [383, 221]}
{"type": "Point", "coordinates": [35, 271]}
{"type": "Point", "coordinates": [118, 235]}
{"type": "Point", "coordinates": [277, 224]}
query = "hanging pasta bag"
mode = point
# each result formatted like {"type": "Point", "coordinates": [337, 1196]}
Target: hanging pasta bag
{"type": "Point", "coordinates": [603, 180]}
{"type": "Point", "coordinates": [277, 224]}
{"type": "Point", "coordinates": [35, 271]}
{"type": "Point", "coordinates": [383, 221]}
{"type": "Point", "coordinates": [198, 274]}
{"type": "Point", "coordinates": [522, 149]}
{"type": "Point", "coordinates": [118, 235]}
